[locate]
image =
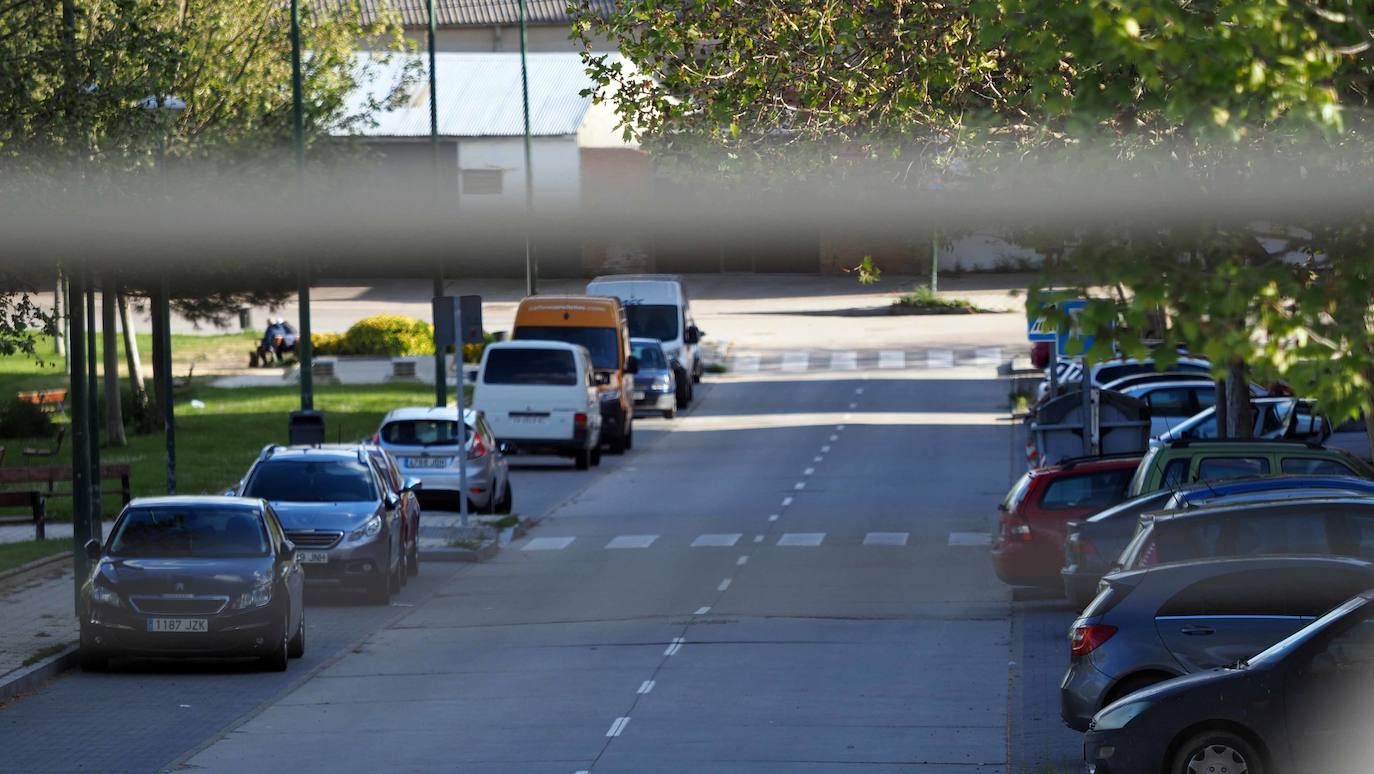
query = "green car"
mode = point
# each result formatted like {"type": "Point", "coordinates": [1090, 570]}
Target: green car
{"type": "Point", "coordinates": [1183, 462]}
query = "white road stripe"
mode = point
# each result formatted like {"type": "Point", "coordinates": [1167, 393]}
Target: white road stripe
{"type": "Point", "coordinates": [673, 647]}
{"type": "Point", "coordinates": [758, 538]}
{"type": "Point", "coordinates": [618, 726]}
{"type": "Point", "coordinates": [801, 539]}
{"type": "Point", "coordinates": [800, 485]}
{"type": "Point", "coordinates": [645, 687]}
{"type": "Point", "coordinates": [548, 544]}
{"type": "Point", "coordinates": [817, 458]}
{"type": "Point", "coordinates": [747, 364]}
{"type": "Point", "coordinates": [886, 538]}
{"type": "Point", "coordinates": [632, 541]}
{"type": "Point", "coordinates": [795, 361]}
{"type": "Point", "coordinates": [826, 449]}
{"type": "Point", "coordinates": [970, 539]}
{"type": "Point", "coordinates": [743, 560]}
{"type": "Point", "coordinates": [986, 356]}
{"type": "Point", "coordinates": [833, 439]}
{"type": "Point", "coordinates": [858, 391]}
{"type": "Point", "coordinates": [840, 427]}
{"type": "Point", "coordinates": [786, 501]}
{"type": "Point", "coordinates": [808, 471]}
{"type": "Point", "coordinates": [725, 584]}
{"type": "Point", "coordinates": [719, 540]}
{"type": "Point", "coordinates": [843, 361]}
{"type": "Point", "coordinates": [773, 517]}
{"type": "Point", "coordinates": [891, 358]}
{"type": "Point", "coordinates": [940, 358]}
{"type": "Point", "coordinates": [703, 610]}
{"type": "Point", "coordinates": [853, 406]}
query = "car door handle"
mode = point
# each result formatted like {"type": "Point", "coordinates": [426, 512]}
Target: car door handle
{"type": "Point", "coordinates": [1198, 631]}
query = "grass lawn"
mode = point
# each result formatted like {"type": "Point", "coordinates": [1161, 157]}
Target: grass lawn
{"type": "Point", "coordinates": [14, 554]}
{"type": "Point", "coordinates": [19, 372]}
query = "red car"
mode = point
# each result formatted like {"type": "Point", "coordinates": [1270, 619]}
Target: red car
{"type": "Point", "coordinates": [1029, 547]}
{"type": "Point", "coordinates": [410, 505]}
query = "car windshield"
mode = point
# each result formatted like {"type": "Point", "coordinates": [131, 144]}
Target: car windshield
{"type": "Point", "coordinates": [190, 532]}
{"type": "Point", "coordinates": [652, 321]}
{"type": "Point", "coordinates": [650, 356]}
{"type": "Point", "coordinates": [602, 343]}
{"type": "Point", "coordinates": [421, 432]}
{"type": "Point", "coordinates": [312, 481]}
{"type": "Point", "coordinates": [552, 367]}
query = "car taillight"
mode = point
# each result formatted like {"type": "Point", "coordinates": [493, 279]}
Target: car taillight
{"type": "Point", "coordinates": [580, 420]}
{"type": "Point", "coordinates": [376, 439]}
{"type": "Point", "coordinates": [1016, 528]}
{"type": "Point", "coordinates": [1150, 556]}
{"type": "Point", "coordinates": [1086, 639]}
{"type": "Point", "coordinates": [477, 449]}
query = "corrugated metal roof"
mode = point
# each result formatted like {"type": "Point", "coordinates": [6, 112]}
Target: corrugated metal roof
{"type": "Point", "coordinates": [473, 13]}
{"type": "Point", "coordinates": [479, 95]}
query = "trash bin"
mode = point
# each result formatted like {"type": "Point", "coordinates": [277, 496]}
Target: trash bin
{"type": "Point", "coordinates": [245, 319]}
{"type": "Point", "coordinates": [305, 428]}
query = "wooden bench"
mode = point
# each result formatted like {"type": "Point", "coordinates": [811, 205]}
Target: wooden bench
{"type": "Point", "coordinates": [51, 474]}
{"type": "Point", "coordinates": [47, 401]}
{"type": "Point", "coordinates": [38, 510]}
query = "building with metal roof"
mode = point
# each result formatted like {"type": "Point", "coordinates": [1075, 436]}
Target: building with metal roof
{"type": "Point", "coordinates": [482, 25]}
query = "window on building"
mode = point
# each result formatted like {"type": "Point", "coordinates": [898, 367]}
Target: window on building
{"type": "Point", "coordinates": [482, 182]}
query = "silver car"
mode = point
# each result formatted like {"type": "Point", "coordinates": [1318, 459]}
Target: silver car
{"type": "Point", "coordinates": [424, 441]}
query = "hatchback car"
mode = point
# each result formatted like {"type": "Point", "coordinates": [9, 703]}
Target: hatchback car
{"type": "Point", "coordinates": [1028, 549]}
{"type": "Point", "coordinates": [1184, 462]}
{"type": "Point", "coordinates": [193, 576]}
{"type": "Point", "coordinates": [342, 518]}
{"type": "Point", "coordinates": [655, 382]}
{"type": "Point", "coordinates": [1152, 625]}
{"type": "Point", "coordinates": [424, 440]}
{"type": "Point", "coordinates": [405, 488]}
{"type": "Point", "coordinates": [1300, 707]}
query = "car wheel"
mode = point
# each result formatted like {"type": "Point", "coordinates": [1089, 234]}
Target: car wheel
{"type": "Point", "coordinates": [629, 436]}
{"type": "Point", "coordinates": [506, 500]}
{"type": "Point", "coordinates": [413, 559]}
{"type": "Point", "coordinates": [296, 647]}
{"type": "Point", "coordinates": [1217, 750]}
{"type": "Point", "coordinates": [93, 660]}
{"type": "Point", "coordinates": [595, 456]}
{"type": "Point", "coordinates": [670, 413]}
{"type": "Point", "coordinates": [276, 659]}
{"type": "Point", "coordinates": [583, 459]}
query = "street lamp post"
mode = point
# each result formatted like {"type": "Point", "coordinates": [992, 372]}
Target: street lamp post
{"type": "Point", "coordinates": [531, 267]}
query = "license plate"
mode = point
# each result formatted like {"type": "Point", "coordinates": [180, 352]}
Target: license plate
{"type": "Point", "coordinates": [312, 557]}
{"type": "Point", "coordinates": [639, 396]}
{"type": "Point", "coordinates": [527, 419]}
{"type": "Point", "coordinates": [428, 462]}
{"type": "Point", "coordinates": [178, 625]}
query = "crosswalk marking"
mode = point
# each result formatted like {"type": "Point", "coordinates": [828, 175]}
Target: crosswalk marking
{"type": "Point", "coordinates": [746, 364]}
{"type": "Point", "coordinates": [892, 358]}
{"type": "Point", "coordinates": [632, 541]}
{"type": "Point", "coordinates": [988, 356]}
{"type": "Point", "coordinates": [940, 358]}
{"type": "Point", "coordinates": [970, 539]}
{"type": "Point", "coordinates": [886, 538]}
{"type": "Point", "coordinates": [722, 540]}
{"type": "Point", "coordinates": [795, 361]}
{"type": "Point", "coordinates": [844, 361]}
{"type": "Point", "coordinates": [801, 538]}
{"type": "Point", "coordinates": [548, 544]}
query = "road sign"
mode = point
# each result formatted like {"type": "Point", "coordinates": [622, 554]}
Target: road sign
{"type": "Point", "coordinates": [1072, 342]}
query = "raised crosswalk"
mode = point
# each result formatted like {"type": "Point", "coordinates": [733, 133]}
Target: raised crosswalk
{"type": "Point", "coordinates": [850, 360]}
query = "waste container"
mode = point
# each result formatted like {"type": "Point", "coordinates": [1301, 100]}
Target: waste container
{"type": "Point", "coordinates": [245, 319]}
{"type": "Point", "coordinates": [305, 428]}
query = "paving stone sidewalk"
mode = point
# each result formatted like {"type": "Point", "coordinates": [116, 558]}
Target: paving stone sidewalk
{"type": "Point", "coordinates": [38, 612]}
{"type": "Point", "coordinates": [55, 530]}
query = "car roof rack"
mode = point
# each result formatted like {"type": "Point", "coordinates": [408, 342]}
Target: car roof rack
{"type": "Point", "coordinates": [1183, 443]}
{"type": "Point", "coordinates": [269, 450]}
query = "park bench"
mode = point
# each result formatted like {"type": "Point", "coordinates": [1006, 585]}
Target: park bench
{"type": "Point", "coordinates": [34, 501]}
{"type": "Point", "coordinates": [49, 475]}
{"type": "Point", "coordinates": [47, 401]}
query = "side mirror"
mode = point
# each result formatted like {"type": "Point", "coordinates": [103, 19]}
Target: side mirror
{"type": "Point", "coordinates": [92, 549]}
{"type": "Point", "coordinates": [632, 365]}
{"type": "Point", "coordinates": [411, 485]}
{"type": "Point", "coordinates": [288, 550]}
{"type": "Point", "coordinates": [692, 335]}
{"type": "Point", "coordinates": [391, 501]}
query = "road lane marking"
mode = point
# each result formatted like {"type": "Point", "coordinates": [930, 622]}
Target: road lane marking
{"type": "Point", "coordinates": [817, 458]}
{"type": "Point", "coordinates": [826, 449]}
{"type": "Point", "coordinates": [970, 539]}
{"type": "Point", "coordinates": [618, 726]}
{"type": "Point", "coordinates": [786, 501]}
{"type": "Point", "coordinates": [725, 584]}
{"type": "Point", "coordinates": [843, 361]}
{"type": "Point", "coordinates": [858, 391]}
{"type": "Point", "coordinates": [795, 361]}
{"type": "Point", "coordinates": [645, 687]}
{"type": "Point", "coordinates": [773, 517]}
{"type": "Point", "coordinates": [986, 356]}
{"type": "Point", "coordinates": [747, 364]}
{"type": "Point", "coordinates": [840, 427]}
{"type": "Point", "coordinates": [743, 560]}
{"type": "Point", "coordinates": [886, 538]}
{"type": "Point", "coordinates": [673, 647]}
{"type": "Point", "coordinates": [810, 539]}
{"type": "Point", "coordinates": [548, 544]}
{"type": "Point", "coordinates": [891, 358]}
{"type": "Point", "coordinates": [714, 541]}
{"type": "Point", "coordinates": [758, 538]}
{"type": "Point", "coordinates": [808, 471]}
{"type": "Point", "coordinates": [703, 610]}
{"type": "Point", "coordinates": [632, 541]}
{"type": "Point", "coordinates": [853, 406]}
{"type": "Point", "coordinates": [800, 485]}
{"type": "Point", "coordinates": [833, 439]}
{"type": "Point", "coordinates": [940, 358]}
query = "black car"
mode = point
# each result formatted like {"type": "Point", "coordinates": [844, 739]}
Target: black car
{"type": "Point", "coordinates": [1300, 707]}
{"type": "Point", "coordinates": [193, 576]}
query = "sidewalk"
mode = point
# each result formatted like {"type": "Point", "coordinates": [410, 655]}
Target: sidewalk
{"type": "Point", "coordinates": [39, 616]}
{"type": "Point", "coordinates": [19, 533]}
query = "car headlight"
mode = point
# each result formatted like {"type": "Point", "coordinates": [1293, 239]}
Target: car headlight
{"type": "Point", "coordinates": [260, 596]}
{"type": "Point", "coordinates": [103, 595]}
{"type": "Point", "coordinates": [1117, 716]}
{"type": "Point", "coordinates": [661, 383]}
{"type": "Point", "coordinates": [370, 529]}
{"type": "Point", "coordinates": [610, 395]}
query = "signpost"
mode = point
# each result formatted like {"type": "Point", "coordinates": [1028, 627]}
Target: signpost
{"type": "Point", "coordinates": [1067, 343]}
{"type": "Point", "coordinates": [458, 321]}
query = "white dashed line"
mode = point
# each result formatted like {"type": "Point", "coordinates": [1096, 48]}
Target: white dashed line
{"type": "Point", "coordinates": [673, 647]}
{"type": "Point", "coordinates": [717, 541]}
{"type": "Point", "coordinates": [817, 458]}
{"type": "Point", "coordinates": [743, 560]}
{"type": "Point", "coordinates": [833, 439]}
{"type": "Point", "coordinates": [758, 538]}
{"type": "Point", "coordinates": [886, 538]}
{"type": "Point", "coordinates": [773, 517]}
{"type": "Point", "coordinates": [548, 544]}
{"type": "Point", "coordinates": [800, 485]}
{"type": "Point", "coordinates": [853, 406]}
{"type": "Point", "coordinates": [632, 541]}
{"type": "Point", "coordinates": [843, 361]}
{"type": "Point", "coordinates": [811, 539]}
{"type": "Point", "coordinates": [970, 539]}
{"type": "Point", "coordinates": [826, 449]}
{"type": "Point", "coordinates": [786, 501]}
{"type": "Point", "coordinates": [618, 726]}
{"type": "Point", "coordinates": [988, 356]}
{"type": "Point", "coordinates": [645, 687]}
{"type": "Point", "coordinates": [940, 358]}
{"type": "Point", "coordinates": [858, 391]}
{"type": "Point", "coordinates": [725, 584]}
{"type": "Point", "coordinates": [808, 471]}
{"type": "Point", "coordinates": [702, 610]}
{"type": "Point", "coordinates": [840, 427]}
{"type": "Point", "coordinates": [795, 361]}
{"type": "Point", "coordinates": [889, 358]}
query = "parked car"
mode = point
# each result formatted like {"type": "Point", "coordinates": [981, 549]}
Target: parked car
{"type": "Point", "coordinates": [405, 490]}
{"type": "Point", "coordinates": [1333, 525]}
{"type": "Point", "coordinates": [1152, 625]}
{"type": "Point", "coordinates": [599, 324]}
{"type": "Point", "coordinates": [541, 397]}
{"type": "Point", "coordinates": [1070, 372]}
{"type": "Point", "coordinates": [1300, 707]}
{"type": "Point", "coordinates": [337, 511]}
{"type": "Point", "coordinates": [1274, 418]}
{"type": "Point", "coordinates": [656, 307]}
{"type": "Point", "coordinates": [1092, 546]}
{"type": "Point", "coordinates": [1150, 377]}
{"type": "Point", "coordinates": [655, 383]}
{"type": "Point", "coordinates": [1028, 549]}
{"type": "Point", "coordinates": [1351, 436]}
{"type": "Point", "coordinates": [1173, 402]}
{"type": "Point", "coordinates": [1184, 462]}
{"type": "Point", "coordinates": [425, 443]}
{"type": "Point", "coordinates": [193, 576]}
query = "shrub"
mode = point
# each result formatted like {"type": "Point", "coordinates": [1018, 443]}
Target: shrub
{"type": "Point", "coordinates": [21, 419]}
{"type": "Point", "coordinates": [472, 353]}
{"type": "Point", "coordinates": [327, 343]}
{"type": "Point", "coordinates": [389, 334]}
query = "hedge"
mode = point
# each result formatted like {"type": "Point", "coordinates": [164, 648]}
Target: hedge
{"type": "Point", "coordinates": [388, 335]}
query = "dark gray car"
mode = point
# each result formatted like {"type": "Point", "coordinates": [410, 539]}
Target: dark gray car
{"type": "Point", "coordinates": [1152, 625]}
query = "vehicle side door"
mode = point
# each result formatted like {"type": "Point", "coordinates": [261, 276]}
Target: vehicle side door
{"type": "Point", "coordinates": [290, 572]}
{"type": "Point", "coordinates": [1229, 617]}
{"type": "Point", "coordinates": [1329, 699]}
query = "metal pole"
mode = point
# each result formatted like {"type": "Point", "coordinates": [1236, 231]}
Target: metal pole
{"type": "Point", "coordinates": [81, 435]}
{"type": "Point", "coordinates": [934, 261]}
{"type": "Point", "coordinates": [303, 346]}
{"type": "Point", "coordinates": [433, 95]}
{"type": "Point", "coordinates": [93, 415]}
{"type": "Point", "coordinates": [440, 357]}
{"type": "Point", "coordinates": [163, 351]}
{"type": "Point", "coordinates": [462, 419]}
{"type": "Point", "coordinates": [531, 267]}
{"type": "Point", "coordinates": [297, 106]}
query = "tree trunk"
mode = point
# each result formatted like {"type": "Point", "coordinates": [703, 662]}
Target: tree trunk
{"type": "Point", "coordinates": [131, 357]}
{"type": "Point", "coordinates": [1240, 423]}
{"type": "Point", "coordinates": [158, 397]}
{"type": "Point", "coordinates": [59, 318]}
{"type": "Point", "coordinates": [1221, 412]}
{"type": "Point", "coordinates": [114, 408]}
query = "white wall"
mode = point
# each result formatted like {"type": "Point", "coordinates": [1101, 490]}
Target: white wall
{"type": "Point", "coordinates": [986, 251]}
{"type": "Point", "coordinates": [557, 171]}
{"type": "Point", "coordinates": [482, 39]}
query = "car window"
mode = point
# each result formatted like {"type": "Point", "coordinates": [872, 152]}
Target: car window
{"type": "Point", "coordinates": [1175, 474]}
{"type": "Point", "coordinates": [1243, 534]}
{"type": "Point", "coordinates": [650, 356]}
{"type": "Point", "coordinates": [190, 532]}
{"type": "Point", "coordinates": [1213, 468]}
{"type": "Point", "coordinates": [1295, 591]}
{"type": "Point", "coordinates": [652, 321]}
{"type": "Point", "coordinates": [552, 367]}
{"type": "Point", "coordinates": [1206, 399]}
{"type": "Point", "coordinates": [1171, 402]}
{"type": "Point", "coordinates": [1088, 490]}
{"type": "Point", "coordinates": [603, 344]}
{"type": "Point", "coordinates": [1314, 466]}
{"type": "Point", "coordinates": [313, 481]}
{"type": "Point", "coordinates": [420, 432]}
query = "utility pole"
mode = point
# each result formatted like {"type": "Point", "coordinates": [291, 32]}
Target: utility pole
{"type": "Point", "coordinates": [81, 434]}
{"type": "Point", "coordinates": [162, 351]}
{"type": "Point", "coordinates": [303, 278]}
{"type": "Point", "coordinates": [531, 266]}
{"type": "Point", "coordinates": [92, 415]}
{"type": "Point", "coordinates": [440, 358]}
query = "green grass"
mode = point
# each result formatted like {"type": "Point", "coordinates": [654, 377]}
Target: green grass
{"type": "Point", "coordinates": [923, 300]}
{"type": "Point", "coordinates": [45, 652]}
{"type": "Point", "coordinates": [20, 372]}
{"type": "Point", "coordinates": [716, 368]}
{"type": "Point", "coordinates": [14, 554]}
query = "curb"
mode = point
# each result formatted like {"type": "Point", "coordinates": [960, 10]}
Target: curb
{"type": "Point", "coordinates": [487, 550]}
{"type": "Point", "coordinates": [36, 564]}
{"type": "Point", "coordinates": [34, 675]}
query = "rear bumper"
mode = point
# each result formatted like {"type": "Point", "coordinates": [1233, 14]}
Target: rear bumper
{"type": "Point", "coordinates": [564, 447]}
{"type": "Point", "coordinates": [1080, 694]}
{"type": "Point", "coordinates": [665, 400]}
{"type": "Point", "coordinates": [118, 631]}
{"type": "Point", "coordinates": [1033, 563]}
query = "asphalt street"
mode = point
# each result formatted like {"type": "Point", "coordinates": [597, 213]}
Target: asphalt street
{"type": "Point", "coordinates": [791, 577]}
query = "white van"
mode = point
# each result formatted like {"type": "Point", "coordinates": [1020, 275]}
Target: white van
{"type": "Point", "coordinates": [540, 397]}
{"type": "Point", "coordinates": [656, 307]}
